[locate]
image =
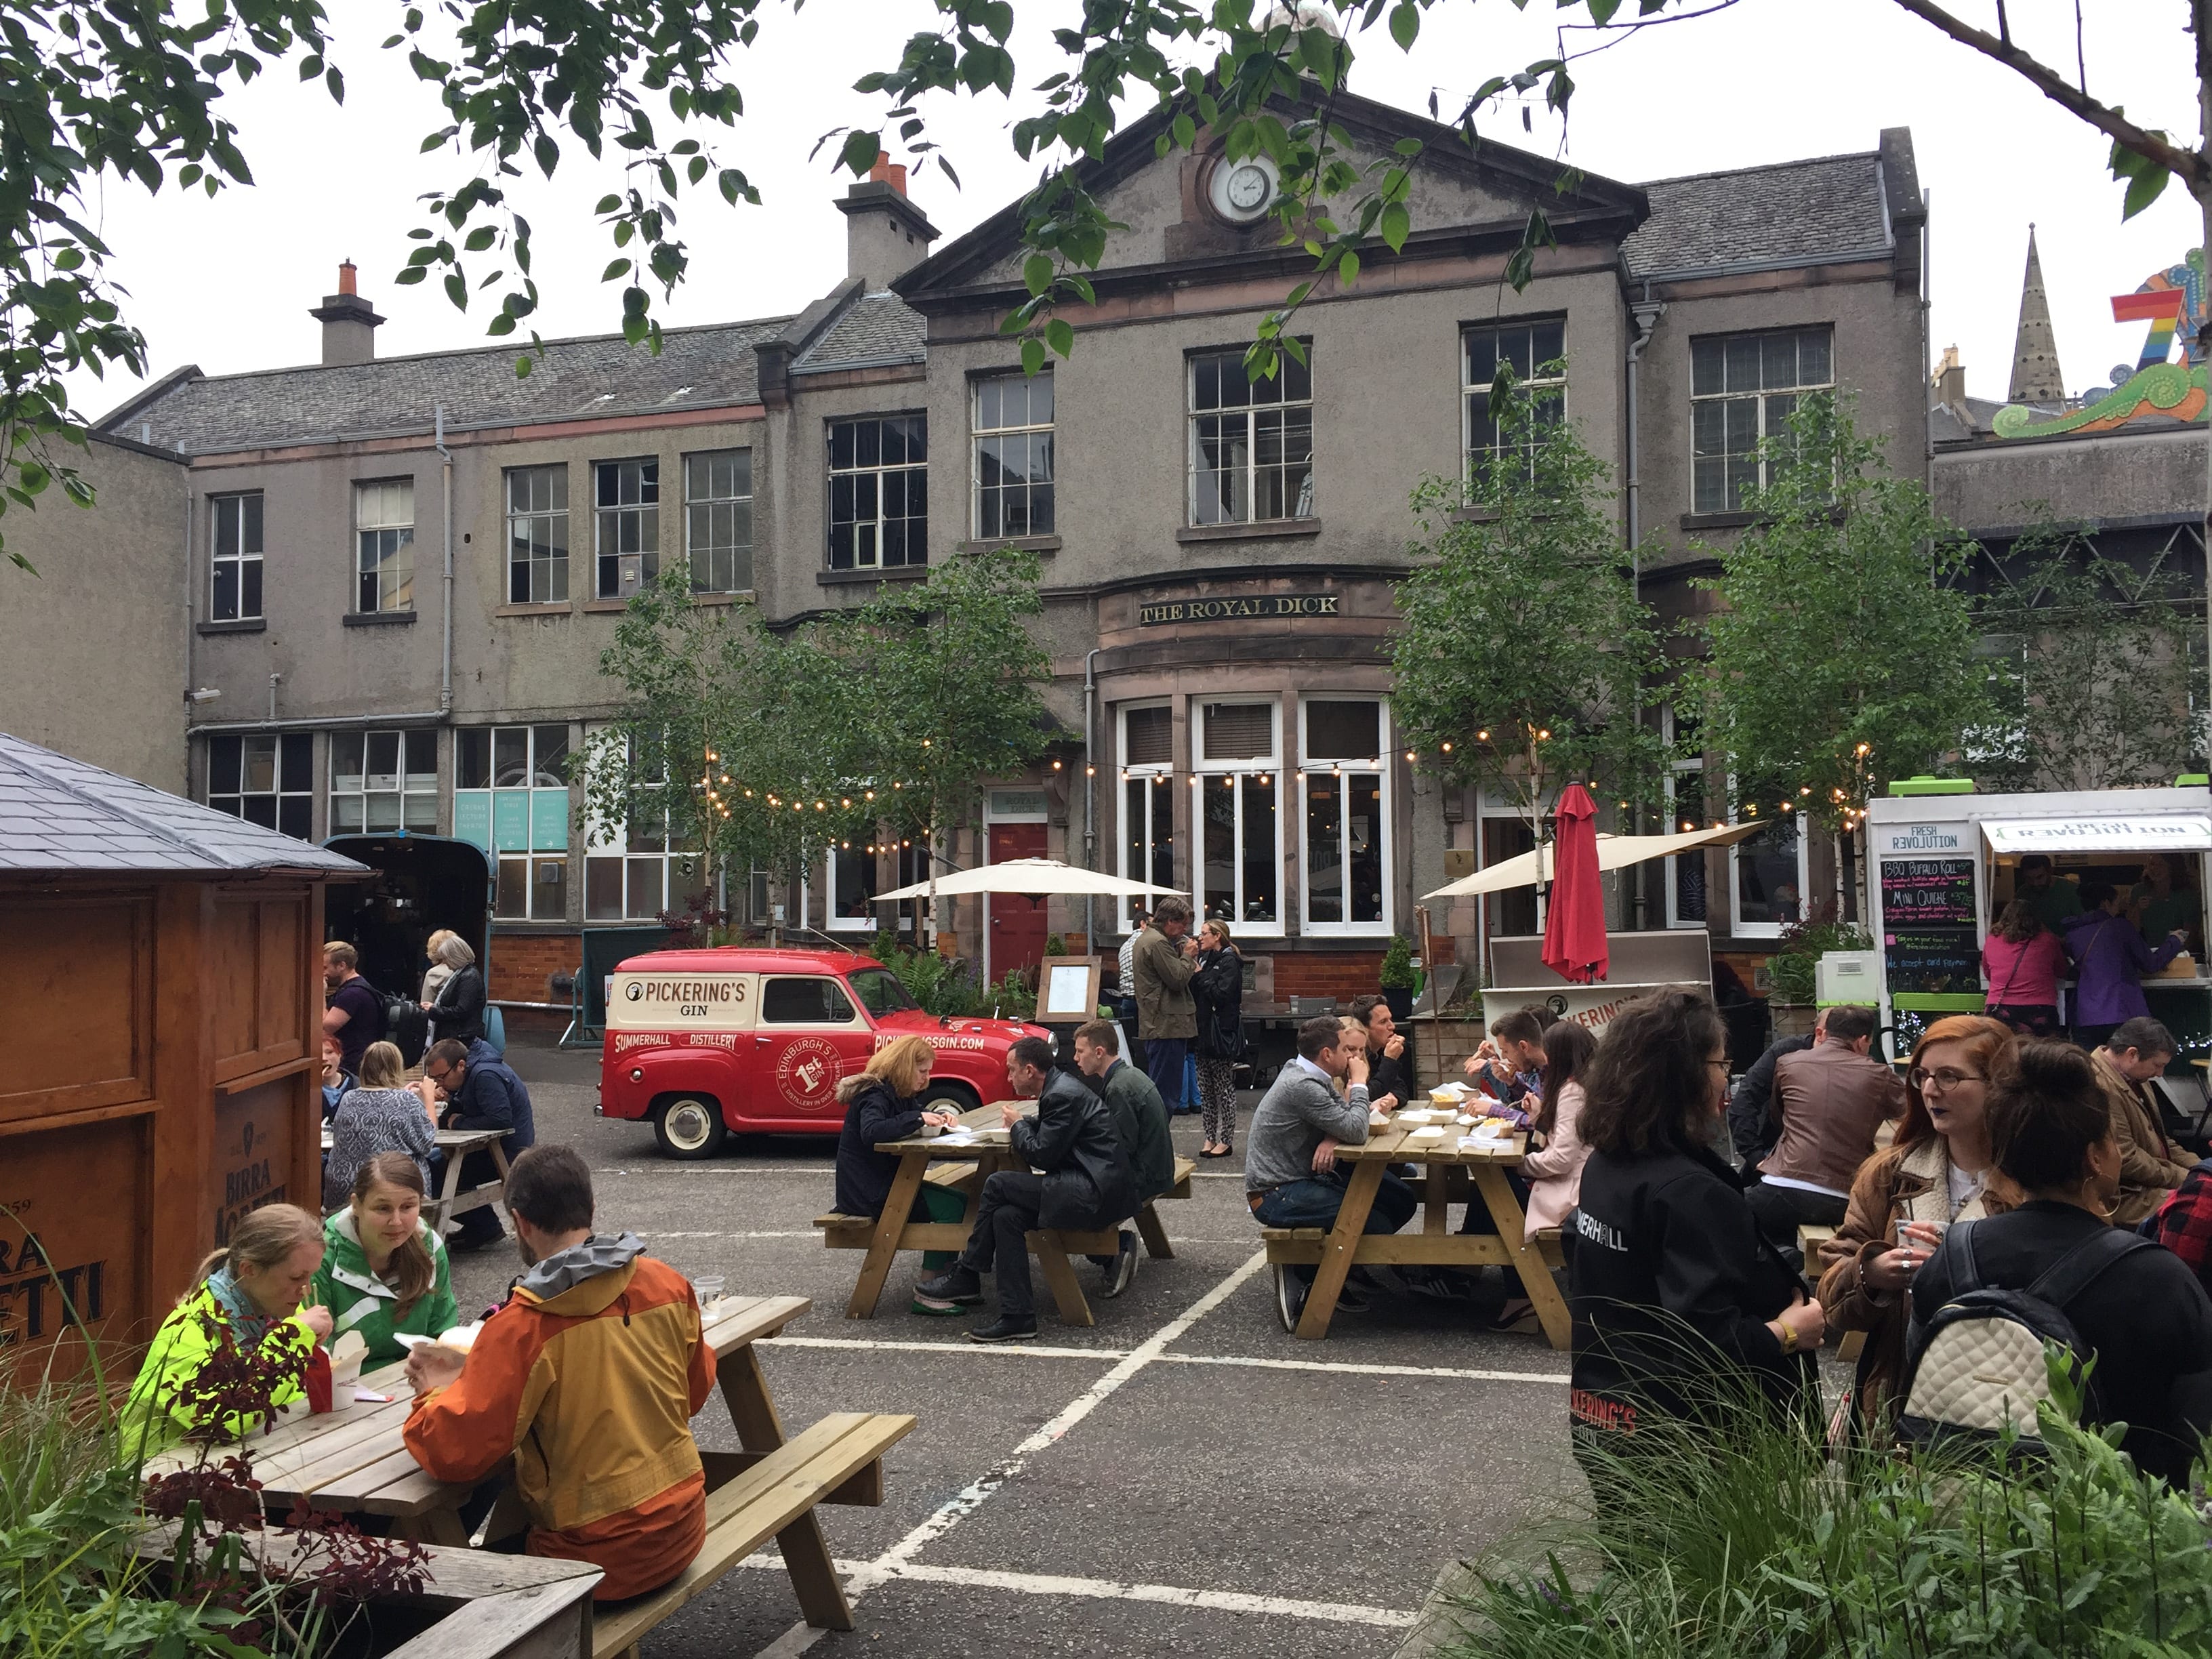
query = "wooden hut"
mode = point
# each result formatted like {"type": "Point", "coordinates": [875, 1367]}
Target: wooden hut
{"type": "Point", "coordinates": [162, 997]}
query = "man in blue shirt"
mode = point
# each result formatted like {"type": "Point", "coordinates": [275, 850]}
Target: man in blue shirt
{"type": "Point", "coordinates": [477, 1089]}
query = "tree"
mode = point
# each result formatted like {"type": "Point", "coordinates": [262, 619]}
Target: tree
{"type": "Point", "coordinates": [2098, 667]}
{"type": "Point", "coordinates": [1525, 650]}
{"type": "Point", "coordinates": [1843, 654]}
{"type": "Point", "coordinates": [766, 748]}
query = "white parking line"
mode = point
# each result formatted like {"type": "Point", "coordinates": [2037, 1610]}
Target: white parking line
{"type": "Point", "coordinates": [1341, 1367]}
{"type": "Point", "coordinates": [1174, 1596]}
{"type": "Point", "coordinates": [650, 1237]}
{"type": "Point", "coordinates": [964, 1503]}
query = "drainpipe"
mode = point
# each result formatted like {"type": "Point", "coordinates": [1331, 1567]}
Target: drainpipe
{"type": "Point", "coordinates": [192, 626]}
{"type": "Point", "coordinates": [446, 656]}
{"type": "Point", "coordinates": [1645, 314]}
{"type": "Point", "coordinates": [1090, 794]}
{"type": "Point", "coordinates": [273, 679]}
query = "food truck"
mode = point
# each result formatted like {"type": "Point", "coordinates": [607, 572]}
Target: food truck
{"type": "Point", "coordinates": [1945, 861]}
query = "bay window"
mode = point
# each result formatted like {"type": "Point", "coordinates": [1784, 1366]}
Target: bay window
{"type": "Point", "coordinates": [1238, 768]}
{"type": "Point", "coordinates": [1344, 784]}
{"type": "Point", "coordinates": [1148, 796]}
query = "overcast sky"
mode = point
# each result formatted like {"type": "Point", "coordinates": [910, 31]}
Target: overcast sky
{"type": "Point", "coordinates": [226, 284]}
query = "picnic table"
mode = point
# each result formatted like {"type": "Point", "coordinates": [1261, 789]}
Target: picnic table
{"type": "Point", "coordinates": [457, 1144]}
{"type": "Point", "coordinates": [961, 1167]}
{"type": "Point", "coordinates": [1449, 1172]}
{"type": "Point", "coordinates": [354, 1461]}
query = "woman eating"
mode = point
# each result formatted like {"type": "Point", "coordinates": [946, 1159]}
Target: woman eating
{"type": "Point", "coordinates": [1682, 1310]}
{"type": "Point", "coordinates": [246, 1299]}
{"type": "Point", "coordinates": [2023, 962]}
{"type": "Point", "coordinates": [1933, 1173]}
{"type": "Point", "coordinates": [1554, 1171]}
{"type": "Point", "coordinates": [2143, 1317]}
{"type": "Point", "coordinates": [883, 1102]}
{"type": "Point", "coordinates": [381, 1116]}
{"type": "Point", "coordinates": [384, 1271]}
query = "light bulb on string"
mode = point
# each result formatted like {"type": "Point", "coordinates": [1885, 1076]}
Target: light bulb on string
{"type": "Point", "coordinates": [1479, 737]}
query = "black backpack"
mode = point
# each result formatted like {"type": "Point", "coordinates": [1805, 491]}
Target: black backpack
{"type": "Point", "coordinates": [1977, 1362]}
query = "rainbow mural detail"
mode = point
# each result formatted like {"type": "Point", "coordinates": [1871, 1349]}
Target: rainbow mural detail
{"type": "Point", "coordinates": [2173, 302]}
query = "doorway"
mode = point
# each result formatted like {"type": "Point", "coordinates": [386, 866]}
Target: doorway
{"type": "Point", "coordinates": [1015, 925]}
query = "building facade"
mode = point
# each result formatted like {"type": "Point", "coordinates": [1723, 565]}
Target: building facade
{"type": "Point", "coordinates": [403, 570]}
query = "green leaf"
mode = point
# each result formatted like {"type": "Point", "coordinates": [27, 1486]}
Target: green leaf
{"type": "Point", "coordinates": [615, 268]}
{"type": "Point", "coordinates": [480, 239]}
{"type": "Point", "coordinates": [1405, 24]}
{"type": "Point", "coordinates": [1396, 223]}
{"type": "Point", "coordinates": [457, 290]}
{"type": "Point", "coordinates": [1347, 268]}
{"type": "Point", "coordinates": [858, 152]}
{"type": "Point", "coordinates": [1407, 147]}
{"type": "Point", "coordinates": [411, 275]}
{"type": "Point", "coordinates": [335, 83]}
{"type": "Point", "coordinates": [1032, 355]}
{"type": "Point", "coordinates": [1036, 272]}
{"type": "Point", "coordinates": [1185, 130]}
{"type": "Point", "coordinates": [1060, 335]}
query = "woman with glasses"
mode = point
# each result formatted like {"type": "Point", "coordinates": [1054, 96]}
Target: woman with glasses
{"type": "Point", "coordinates": [1682, 1310]}
{"type": "Point", "coordinates": [1931, 1175]}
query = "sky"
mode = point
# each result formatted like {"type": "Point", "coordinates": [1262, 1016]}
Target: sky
{"type": "Point", "coordinates": [226, 283]}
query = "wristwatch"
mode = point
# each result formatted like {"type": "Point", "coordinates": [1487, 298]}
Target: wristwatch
{"type": "Point", "coordinates": [1789, 1337]}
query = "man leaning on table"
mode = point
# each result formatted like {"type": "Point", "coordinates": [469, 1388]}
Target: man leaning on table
{"type": "Point", "coordinates": [1141, 1123]}
{"type": "Point", "coordinates": [1291, 1177]}
{"type": "Point", "coordinates": [588, 1377]}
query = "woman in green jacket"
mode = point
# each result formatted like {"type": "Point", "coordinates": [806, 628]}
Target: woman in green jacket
{"type": "Point", "coordinates": [384, 1267]}
{"type": "Point", "coordinates": [248, 1301]}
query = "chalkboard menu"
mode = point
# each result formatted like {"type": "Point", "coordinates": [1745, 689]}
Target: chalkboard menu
{"type": "Point", "coordinates": [1929, 938]}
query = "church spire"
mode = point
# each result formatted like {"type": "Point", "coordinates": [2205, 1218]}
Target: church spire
{"type": "Point", "coordinates": [2035, 377]}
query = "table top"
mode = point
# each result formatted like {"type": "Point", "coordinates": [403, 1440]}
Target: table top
{"type": "Point", "coordinates": [984, 1117]}
{"type": "Point", "coordinates": [355, 1459]}
{"type": "Point", "coordinates": [454, 1141]}
{"type": "Point", "coordinates": [1391, 1143]}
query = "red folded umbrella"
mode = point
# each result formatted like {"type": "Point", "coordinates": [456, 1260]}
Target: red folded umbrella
{"type": "Point", "coordinates": [1574, 925]}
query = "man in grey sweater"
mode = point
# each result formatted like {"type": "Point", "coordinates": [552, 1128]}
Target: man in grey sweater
{"type": "Point", "coordinates": [1291, 1178]}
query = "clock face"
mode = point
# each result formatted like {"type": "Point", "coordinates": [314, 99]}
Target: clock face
{"type": "Point", "coordinates": [1242, 191]}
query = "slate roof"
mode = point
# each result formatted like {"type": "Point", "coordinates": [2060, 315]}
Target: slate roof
{"type": "Point", "coordinates": [61, 817]}
{"type": "Point", "coordinates": [1792, 213]}
{"type": "Point", "coordinates": [877, 328]}
{"type": "Point", "coordinates": [600, 375]}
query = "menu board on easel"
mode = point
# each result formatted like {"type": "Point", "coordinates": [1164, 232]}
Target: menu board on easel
{"type": "Point", "coordinates": [1931, 941]}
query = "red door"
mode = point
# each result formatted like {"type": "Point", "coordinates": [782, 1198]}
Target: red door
{"type": "Point", "coordinates": [1017, 923]}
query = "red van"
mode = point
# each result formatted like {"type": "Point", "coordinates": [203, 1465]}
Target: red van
{"type": "Point", "coordinates": [708, 1042]}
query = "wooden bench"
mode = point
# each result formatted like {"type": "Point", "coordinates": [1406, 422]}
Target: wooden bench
{"type": "Point", "coordinates": [964, 1179]}
{"type": "Point", "coordinates": [839, 1460]}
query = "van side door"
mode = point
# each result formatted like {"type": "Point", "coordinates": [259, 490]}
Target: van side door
{"type": "Point", "coordinates": [809, 1035]}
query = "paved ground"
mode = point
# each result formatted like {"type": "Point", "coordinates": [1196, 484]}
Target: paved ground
{"type": "Point", "coordinates": [1182, 1478]}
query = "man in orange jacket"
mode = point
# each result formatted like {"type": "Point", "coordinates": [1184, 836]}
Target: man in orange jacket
{"type": "Point", "coordinates": [588, 1377]}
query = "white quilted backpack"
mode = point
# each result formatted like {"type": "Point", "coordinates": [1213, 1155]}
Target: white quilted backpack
{"type": "Point", "coordinates": [1977, 1363]}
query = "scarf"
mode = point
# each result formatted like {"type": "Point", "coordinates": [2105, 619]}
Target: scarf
{"type": "Point", "coordinates": [249, 1324]}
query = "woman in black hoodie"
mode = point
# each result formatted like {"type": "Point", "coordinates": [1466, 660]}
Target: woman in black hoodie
{"type": "Point", "coordinates": [1681, 1307]}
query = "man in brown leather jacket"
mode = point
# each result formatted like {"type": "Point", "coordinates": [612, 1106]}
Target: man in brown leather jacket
{"type": "Point", "coordinates": [1832, 1099]}
{"type": "Point", "coordinates": [2151, 1166]}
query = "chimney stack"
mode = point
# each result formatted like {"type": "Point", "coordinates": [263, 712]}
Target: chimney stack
{"type": "Point", "coordinates": [885, 234]}
{"type": "Point", "coordinates": [349, 323]}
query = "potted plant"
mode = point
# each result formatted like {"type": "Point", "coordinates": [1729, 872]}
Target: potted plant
{"type": "Point", "coordinates": [1398, 978]}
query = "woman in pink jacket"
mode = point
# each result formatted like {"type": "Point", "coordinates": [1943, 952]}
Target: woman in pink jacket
{"type": "Point", "coordinates": [1554, 1173]}
{"type": "Point", "coordinates": [2022, 961]}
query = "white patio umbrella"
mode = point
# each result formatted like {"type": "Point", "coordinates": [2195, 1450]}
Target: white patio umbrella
{"type": "Point", "coordinates": [1028, 876]}
{"type": "Point", "coordinates": [1613, 852]}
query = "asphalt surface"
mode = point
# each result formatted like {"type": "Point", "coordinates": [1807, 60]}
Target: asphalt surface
{"type": "Point", "coordinates": [1181, 1478]}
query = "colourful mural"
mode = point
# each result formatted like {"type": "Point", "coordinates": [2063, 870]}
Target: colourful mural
{"type": "Point", "coordinates": [2171, 301]}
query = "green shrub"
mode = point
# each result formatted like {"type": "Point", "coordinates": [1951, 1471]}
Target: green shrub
{"type": "Point", "coordinates": [1754, 1547]}
{"type": "Point", "coordinates": [1398, 972]}
{"type": "Point", "coordinates": [1801, 947]}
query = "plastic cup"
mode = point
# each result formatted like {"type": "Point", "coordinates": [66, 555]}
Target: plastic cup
{"type": "Point", "coordinates": [708, 1287]}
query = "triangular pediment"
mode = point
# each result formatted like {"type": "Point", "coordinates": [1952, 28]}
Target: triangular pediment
{"type": "Point", "coordinates": [1459, 195]}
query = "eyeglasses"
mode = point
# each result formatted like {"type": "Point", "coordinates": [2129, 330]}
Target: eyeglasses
{"type": "Point", "coordinates": [1718, 1064]}
{"type": "Point", "coordinates": [1943, 1077]}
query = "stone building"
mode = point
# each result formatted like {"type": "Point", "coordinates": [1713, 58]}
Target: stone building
{"type": "Point", "coordinates": [403, 569]}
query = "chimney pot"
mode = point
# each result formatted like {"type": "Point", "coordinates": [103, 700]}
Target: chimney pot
{"type": "Point", "coordinates": [885, 234]}
{"type": "Point", "coordinates": [348, 321]}
{"type": "Point", "coordinates": [346, 278]}
{"type": "Point", "coordinates": [888, 172]}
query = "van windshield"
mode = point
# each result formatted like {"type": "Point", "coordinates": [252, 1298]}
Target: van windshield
{"type": "Point", "coordinates": [880, 991]}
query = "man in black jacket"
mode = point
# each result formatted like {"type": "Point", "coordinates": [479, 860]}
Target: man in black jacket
{"type": "Point", "coordinates": [1754, 1120]}
{"type": "Point", "coordinates": [1088, 1182]}
{"type": "Point", "coordinates": [1389, 1055]}
{"type": "Point", "coordinates": [470, 1087]}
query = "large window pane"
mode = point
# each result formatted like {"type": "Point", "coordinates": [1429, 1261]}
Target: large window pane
{"type": "Point", "coordinates": [1769, 879]}
{"type": "Point", "coordinates": [1729, 419]}
{"type": "Point", "coordinates": [878, 492]}
{"type": "Point", "coordinates": [1251, 443]}
{"type": "Point", "coordinates": [1324, 850]}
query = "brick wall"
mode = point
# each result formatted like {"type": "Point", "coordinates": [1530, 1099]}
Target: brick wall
{"type": "Point", "coordinates": [1343, 975]}
{"type": "Point", "coordinates": [522, 966]}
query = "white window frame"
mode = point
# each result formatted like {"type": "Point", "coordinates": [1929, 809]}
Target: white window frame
{"type": "Point", "coordinates": [533, 518]}
{"type": "Point", "coordinates": [1032, 487]}
{"type": "Point", "coordinates": [911, 558]}
{"type": "Point", "coordinates": [1230, 774]}
{"type": "Point", "coordinates": [831, 922]}
{"type": "Point", "coordinates": [1737, 925]}
{"type": "Point", "coordinates": [1300, 507]}
{"type": "Point", "coordinates": [1678, 771]}
{"type": "Point", "coordinates": [384, 547]}
{"type": "Point", "coordinates": [608, 842]}
{"type": "Point", "coordinates": [402, 786]}
{"type": "Point", "coordinates": [1158, 775]}
{"type": "Point", "coordinates": [1534, 385]}
{"type": "Point", "coordinates": [533, 855]}
{"type": "Point", "coordinates": [701, 510]}
{"type": "Point", "coordinates": [633, 516]}
{"type": "Point", "coordinates": [238, 558]}
{"type": "Point", "coordinates": [1379, 764]}
{"type": "Point", "coordinates": [1761, 397]}
{"type": "Point", "coordinates": [287, 783]}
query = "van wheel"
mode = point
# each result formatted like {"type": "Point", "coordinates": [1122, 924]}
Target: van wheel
{"type": "Point", "coordinates": [948, 1097]}
{"type": "Point", "coordinates": [689, 1127]}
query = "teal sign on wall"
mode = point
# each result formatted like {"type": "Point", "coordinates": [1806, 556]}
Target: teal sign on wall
{"type": "Point", "coordinates": [549, 820]}
{"type": "Point", "coordinates": [472, 817]}
{"type": "Point", "coordinates": [510, 820]}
